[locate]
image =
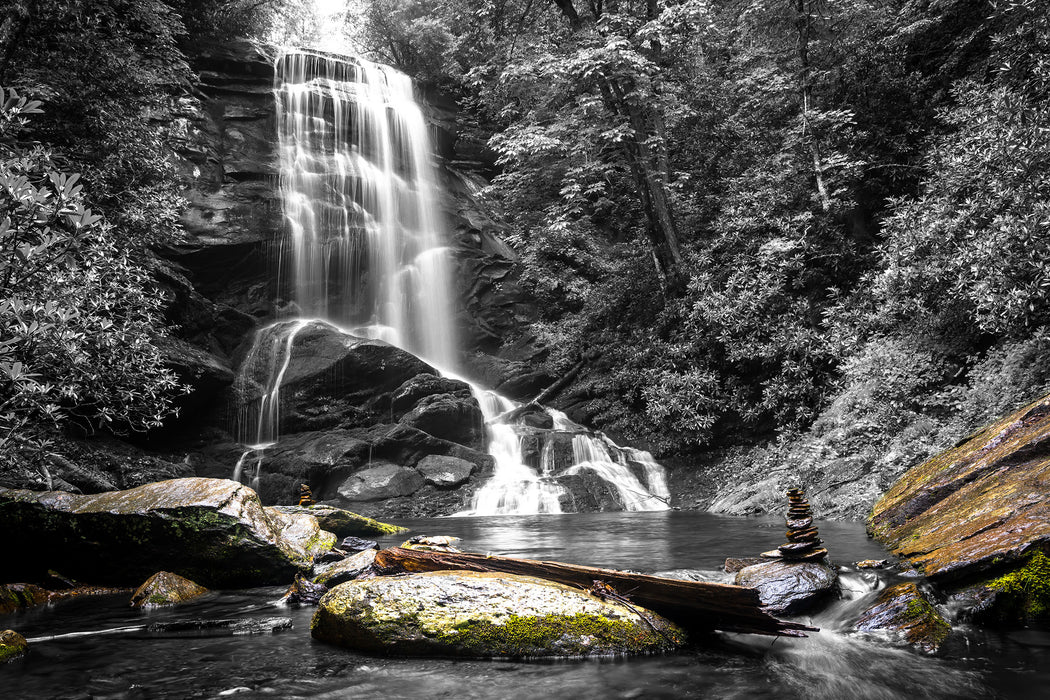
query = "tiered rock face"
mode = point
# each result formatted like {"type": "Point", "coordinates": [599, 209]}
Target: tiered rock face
{"type": "Point", "coordinates": [803, 543]}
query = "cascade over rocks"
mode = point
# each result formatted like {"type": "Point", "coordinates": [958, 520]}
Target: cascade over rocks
{"type": "Point", "coordinates": [481, 615]}
{"type": "Point", "coordinates": [213, 531]}
{"type": "Point", "coordinates": [976, 518]}
{"type": "Point", "coordinates": [905, 610]}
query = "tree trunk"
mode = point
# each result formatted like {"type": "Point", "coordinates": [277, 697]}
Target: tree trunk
{"type": "Point", "coordinates": [803, 22]}
{"type": "Point", "coordinates": [694, 605]}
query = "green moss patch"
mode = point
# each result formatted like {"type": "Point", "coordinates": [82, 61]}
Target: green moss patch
{"type": "Point", "coordinates": [1027, 589]}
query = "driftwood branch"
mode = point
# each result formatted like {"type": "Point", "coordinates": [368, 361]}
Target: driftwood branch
{"type": "Point", "coordinates": [694, 605]}
{"type": "Point", "coordinates": [558, 385]}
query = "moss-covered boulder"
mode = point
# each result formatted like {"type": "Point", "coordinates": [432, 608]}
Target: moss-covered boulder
{"type": "Point", "coordinates": [467, 614]}
{"type": "Point", "coordinates": [213, 531]}
{"type": "Point", "coordinates": [905, 611]}
{"type": "Point", "coordinates": [979, 513]}
{"type": "Point", "coordinates": [165, 588]}
{"type": "Point", "coordinates": [343, 523]}
{"type": "Point", "coordinates": [787, 587]}
{"type": "Point", "coordinates": [12, 646]}
{"type": "Point", "coordinates": [18, 596]}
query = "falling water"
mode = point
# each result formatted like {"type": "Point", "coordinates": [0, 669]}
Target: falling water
{"type": "Point", "coordinates": [360, 200]}
{"type": "Point", "coordinates": [366, 253]}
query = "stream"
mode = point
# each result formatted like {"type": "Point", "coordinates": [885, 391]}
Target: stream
{"type": "Point", "coordinates": [127, 662]}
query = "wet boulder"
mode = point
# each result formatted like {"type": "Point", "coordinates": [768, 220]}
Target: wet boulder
{"type": "Point", "coordinates": [343, 523]}
{"type": "Point", "coordinates": [165, 588]}
{"type": "Point", "coordinates": [978, 515]}
{"type": "Point", "coordinates": [381, 482]}
{"type": "Point", "coordinates": [406, 396]}
{"type": "Point", "coordinates": [787, 588]}
{"type": "Point", "coordinates": [906, 612]}
{"type": "Point", "coordinates": [213, 531]}
{"type": "Point", "coordinates": [449, 417]}
{"type": "Point", "coordinates": [482, 615]}
{"type": "Point", "coordinates": [12, 646]}
{"type": "Point", "coordinates": [330, 378]}
{"type": "Point", "coordinates": [444, 471]}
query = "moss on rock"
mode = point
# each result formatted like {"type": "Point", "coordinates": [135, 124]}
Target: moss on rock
{"type": "Point", "coordinates": [12, 645]}
{"type": "Point", "coordinates": [466, 614]}
{"type": "Point", "coordinates": [1025, 591]}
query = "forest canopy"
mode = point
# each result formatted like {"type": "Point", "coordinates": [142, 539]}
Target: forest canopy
{"type": "Point", "coordinates": [751, 218]}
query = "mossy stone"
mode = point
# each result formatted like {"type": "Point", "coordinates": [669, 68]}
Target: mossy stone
{"type": "Point", "coordinates": [481, 615]}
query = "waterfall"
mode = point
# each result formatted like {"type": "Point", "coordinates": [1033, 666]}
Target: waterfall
{"type": "Point", "coordinates": [366, 253]}
{"type": "Point", "coordinates": [360, 201]}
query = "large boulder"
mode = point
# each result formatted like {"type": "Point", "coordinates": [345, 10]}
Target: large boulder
{"type": "Point", "coordinates": [214, 531]}
{"type": "Point", "coordinates": [381, 482]}
{"type": "Point", "coordinates": [329, 378]}
{"type": "Point", "coordinates": [979, 513]}
{"type": "Point", "coordinates": [467, 614]}
{"type": "Point", "coordinates": [449, 417]}
{"type": "Point", "coordinates": [787, 588]}
{"type": "Point", "coordinates": [12, 646]}
{"type": "Point", "coordinates": [444, 471]}
{"type": "Point", "coordinates": [906, 612]}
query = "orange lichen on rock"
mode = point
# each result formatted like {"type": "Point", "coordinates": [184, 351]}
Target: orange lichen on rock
{"type": "Point", "coordinates": [980, 505]}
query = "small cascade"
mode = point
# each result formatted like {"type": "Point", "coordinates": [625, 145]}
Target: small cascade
{"type": "Point", "coordinates": [567, 449]}
{"type": "Point", "coordinates": [258, 422]}
{"type": "Point", "coordinates": [515, 487]}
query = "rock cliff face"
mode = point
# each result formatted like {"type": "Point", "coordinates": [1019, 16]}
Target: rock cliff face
{"type": "Point", "coordinates": [354, 425]}
{"type": "Point", "coordinates": [976, 518]}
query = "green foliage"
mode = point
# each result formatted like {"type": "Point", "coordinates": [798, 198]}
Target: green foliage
{"type": "Point", "coordinates": [78, 319]}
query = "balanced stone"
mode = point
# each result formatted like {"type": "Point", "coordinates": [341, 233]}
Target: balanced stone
{"type": "Point", "coordinates": [802, 541]}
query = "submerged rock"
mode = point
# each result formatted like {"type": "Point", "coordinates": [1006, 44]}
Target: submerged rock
{"type": "Point", "coordinates": [789, 587]}
{"type": "Point", "coordinates": [165, 588]}
{"type": "Point", "coordinates": [979, 514]}
{"type": "Point", "coordinates": [467, 614]}
{"type": "Point", "coordinates": [214, 531]}
{"type": "Point", "coordinates": [904, 610]}
{"type": "Point", "coordinates": [304, 592]}
{"type": "Point", "coordinates": [223, 627]}
{"type": "Point", "coordinates": [12, 645]}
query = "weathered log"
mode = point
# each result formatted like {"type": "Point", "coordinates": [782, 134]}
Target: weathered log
{"type": "Point", "coordinates": [694, 605]}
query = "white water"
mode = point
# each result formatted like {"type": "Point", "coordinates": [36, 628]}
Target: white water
{"type": "Point", "coordinates": [367, 254]}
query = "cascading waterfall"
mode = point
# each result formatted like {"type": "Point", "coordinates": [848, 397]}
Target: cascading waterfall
{"type": "Point", "coordinates": [366, 253]}
{"type": "Point", "coordinates": [360, 199]}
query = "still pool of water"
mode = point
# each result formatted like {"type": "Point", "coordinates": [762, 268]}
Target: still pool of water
{"type": "Point", "coordinates": [118, 660]}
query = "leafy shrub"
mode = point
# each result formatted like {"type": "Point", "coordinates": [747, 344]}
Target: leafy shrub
{"type": "Point", "coordinates": [78, 318]}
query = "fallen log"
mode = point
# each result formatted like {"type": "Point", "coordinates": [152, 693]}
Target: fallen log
{"type": "Point", "coordinates": [694, 605]}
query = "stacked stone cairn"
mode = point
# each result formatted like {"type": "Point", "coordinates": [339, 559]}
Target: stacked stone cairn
{"type": "Point", "coordinates": [803, 543]}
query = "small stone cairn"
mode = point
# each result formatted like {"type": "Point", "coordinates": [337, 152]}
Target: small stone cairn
{"type": "Point", "coordinates": [803, 543]}
{"type": "Point", "coordinates": [306, 498]}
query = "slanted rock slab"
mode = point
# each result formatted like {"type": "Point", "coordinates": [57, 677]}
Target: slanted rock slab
{"type": "Point", "coordinates": [344, 570]}
{"type": "Point", "coordinates": [481, 615]}
{"type": "Point", "coordinates": [789, 587]}
{"type": "Point", "coordinates": [213, 531]}
{"type": "Point", "coordinates": [905, 610]}
{"type": "Point", "coordinates": [343, 523]}
{"type": "Point", "coordinates": [165, 588]}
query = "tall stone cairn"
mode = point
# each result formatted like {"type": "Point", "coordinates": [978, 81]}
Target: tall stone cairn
{"type": "Point", "coordinates": [802, 541]}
